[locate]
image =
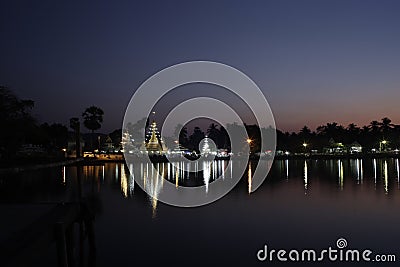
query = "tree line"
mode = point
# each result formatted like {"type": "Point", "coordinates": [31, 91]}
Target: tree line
{"type": "Point", "coordinates": [368, 136]}
{"type": "Point", "coordinates": [19, 126]}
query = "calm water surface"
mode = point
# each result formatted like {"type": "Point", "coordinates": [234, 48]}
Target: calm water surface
{"type": "Point", "coordinates": [302, 204]}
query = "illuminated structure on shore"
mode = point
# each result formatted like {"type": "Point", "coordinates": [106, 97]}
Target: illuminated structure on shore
{"type": "Point", "coordinates": [207, 149]}
{"type": "Point", "coordinates": [153, 142]}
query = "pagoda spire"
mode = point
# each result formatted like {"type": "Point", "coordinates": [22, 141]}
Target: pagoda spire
{"type": "Point", "coordinates": [153, 139]}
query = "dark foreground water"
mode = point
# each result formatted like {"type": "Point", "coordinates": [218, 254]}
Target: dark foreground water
{"type": "Point", "coordinates": [303, 204]}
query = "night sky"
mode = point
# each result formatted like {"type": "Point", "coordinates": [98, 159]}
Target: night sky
{"type": "Point", "coordinates": [316, 61]}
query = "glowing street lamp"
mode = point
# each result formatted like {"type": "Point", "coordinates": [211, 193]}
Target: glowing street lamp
{"type": "Point", "coordinates": [305, 147]}
{"type": "Point", "coordinates": [382, 144]}
{"type": "Point", "coordinates": [249, 141]}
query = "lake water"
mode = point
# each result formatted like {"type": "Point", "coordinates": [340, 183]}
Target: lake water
{"type": "Point", "coordinates": [303, 204]}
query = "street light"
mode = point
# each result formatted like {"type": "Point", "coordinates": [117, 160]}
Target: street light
{"type": "Point", "coordinates": [305, 147]}
{"type": "Point", "coordinates": [381, 144]}
{"type": "Point", "coordinates": [249, 141]}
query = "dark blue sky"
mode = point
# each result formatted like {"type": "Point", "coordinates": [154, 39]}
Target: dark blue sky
{"type": "Point", "coordinates": [316, 61]}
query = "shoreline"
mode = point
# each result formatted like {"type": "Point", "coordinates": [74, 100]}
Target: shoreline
{"type": "Point", "coordinates": [31, 167]}
{"type": "Point", "coordinates": [121, 159]}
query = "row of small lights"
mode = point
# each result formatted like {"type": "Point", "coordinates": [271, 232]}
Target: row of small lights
{"type": "Point", "coordinates": [384, 142]}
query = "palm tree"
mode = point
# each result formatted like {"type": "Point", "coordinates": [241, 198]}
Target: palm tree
{"type": "Point", "coordinates": [353, 128]}
{"type": "Point", "coordinates": [353, 131]}
{"type": "Point", "coordinates": [374, 126]}
{"type": "Point", "coordinates": [331, 130]}
{"type": "Point", "coordinates": [214, 133]}
{"type": "Point", "coordinates": [92, 119]}
{"type": "Point", "coordinates": [386, 125]}
{"type": "Point", "coordinates": [195, 138]}
{"type": "Point", "coordinates": [75, 125]}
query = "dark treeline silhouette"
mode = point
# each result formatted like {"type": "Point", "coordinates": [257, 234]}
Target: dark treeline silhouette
{"type": "Point", "coordinates": [19, 128]}
{"type": "Point", "coordinates": [219, 135]}
{"type": "Point", "coordinates": [369, 136]}
{"type": "Point", "coordinates": [215, 132]}
{"type": "Point", "coordinates": [20, 132]}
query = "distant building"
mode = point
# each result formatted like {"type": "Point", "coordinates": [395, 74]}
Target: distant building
{"type": "Point", "coordinates": [334, 147]}
{"type": "Point", "coordinates": [108, 146]}
{"type": "Point", "coordinates": [179, 149]}
{"type": "Point", "coordinates": [127, 143]}
{"type": "Point", "coordinates": [355, 147]}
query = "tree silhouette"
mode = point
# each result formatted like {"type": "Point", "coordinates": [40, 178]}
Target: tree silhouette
{"type": "Point", "coordinates": [75, 125]}
{"type": "Point", "coordinates": [195, 138]}
{"type": "Point", "coordinates": [92, 119]}
{"type": "Point", "coordinates": [374, 126]}
{"type": "Point", "coordinates": [214, 134]}
{"type": "Point", "coordinates": [181, 134]}
{"type": "Point", "coordinates": [386, 125]}
{"type": "Point", "coordinates": [17, 124]}
{"type": "Point", "coordinates": [332, 131]}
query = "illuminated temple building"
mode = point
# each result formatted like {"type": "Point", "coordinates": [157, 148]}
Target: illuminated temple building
{"type": "Point", "coordinates": [153, 141]}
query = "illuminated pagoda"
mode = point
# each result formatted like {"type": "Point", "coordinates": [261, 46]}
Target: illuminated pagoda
{"type": "Point", "coordinates": [127, 142]}
{"type": "Point", "coordinates": [206, 148]}
{"type": "Point", "coordinates": [153, 140]}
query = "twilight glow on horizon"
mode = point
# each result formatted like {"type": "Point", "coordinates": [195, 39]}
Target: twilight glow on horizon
{"type": "Point", "coordinates": [315, 61]}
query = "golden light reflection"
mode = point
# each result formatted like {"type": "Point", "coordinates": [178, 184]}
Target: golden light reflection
{"type": "Point", "coordinates": [287, 168]}
{"type": "Point", "coordinates": [398, 173]}
{"type": "Point", "coordinates": [153, 183]}
{"type": "Point", "coordinates": [124, 182]}
{"type": "Point", "coordinates": [358, 169]}
{"type": "Point", "coordinates": [168, 172]}
{"type": "Point", "coordinates": [131, 180]}
{"type": "Point", "coordinates": [155, 199]}
{"type": "Point", "coordinates": [249, 178]}
{"type": "Point", "coordinates": [385, 177]}
{"type": "Point", "coordinates": [63, 175]}
{"type": "Point", "coordinates": [341, 171]}
{"type": "Point", "coordinates": [305, 176]}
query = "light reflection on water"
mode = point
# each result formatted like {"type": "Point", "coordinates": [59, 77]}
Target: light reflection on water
{"type": "Point", "coordinates": [186, 175]}
{"type": "Point", "coordinates": [380, 175]}
{"type": "Point", "coordinates": [349, 173]}
{"type": "Point", "coordinates": [305, 176]}
{"type": "Point", "coordinates": [302, 203]}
